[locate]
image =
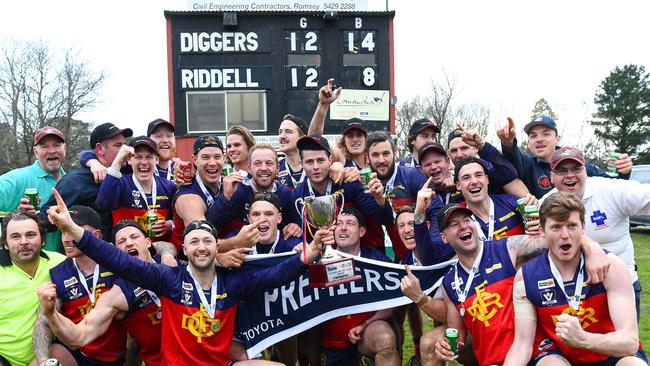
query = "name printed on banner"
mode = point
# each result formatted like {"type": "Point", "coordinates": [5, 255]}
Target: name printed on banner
{"type": "Point", "coordinates": [219, 42]}
{"type": "Point", "coordinates": [291, 301]}
{"type": "Point", "coordinates": [217, 78]}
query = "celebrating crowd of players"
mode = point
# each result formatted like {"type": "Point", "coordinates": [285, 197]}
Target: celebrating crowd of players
{"type": "Point", "coordinates": [558, 286]}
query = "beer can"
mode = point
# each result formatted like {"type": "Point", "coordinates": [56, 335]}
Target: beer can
{"type": "Point", "coordinates": [152, 218]}
{"type": "Point", "coordinates": [186, 170]}
{"type": "Point", "coordinates": [452, 338]}
{"type": "Point", "coordinates": [521, 204]}
{"type": "Point", "coordinates": [528, 211]}
{"type": "Point", "coordinates": [32, 195]}
{"type": "Point", "coordinates": [366, 176]}
{"type": "Point", "coordinates": [394, 137]}
{"type": "Point", "coordinates": [612, 170]}
{"type": "Point", "coordinates": [51, 362]}
{"type": "Point", "coordinates": [227, 169]}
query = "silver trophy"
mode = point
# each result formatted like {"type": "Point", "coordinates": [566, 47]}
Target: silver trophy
{"type": "Point", "coordinates": [332, 269]}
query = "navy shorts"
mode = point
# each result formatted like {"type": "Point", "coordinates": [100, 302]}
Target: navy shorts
{"type": "Point", "coordinates": [347, 356]}
{"type": "Point", "coordinates": [83, 360]}
{"type": "Point", "coordinates": [609, 361]}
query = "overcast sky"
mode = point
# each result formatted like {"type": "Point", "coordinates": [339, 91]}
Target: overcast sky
{"type": "Point", "coordinates": [503, 54]}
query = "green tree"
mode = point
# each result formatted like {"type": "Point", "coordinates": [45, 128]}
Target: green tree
{"type": "Point", "coordinates": [542, 107]}
{"type": "Point", "coordinates": [622, 120]}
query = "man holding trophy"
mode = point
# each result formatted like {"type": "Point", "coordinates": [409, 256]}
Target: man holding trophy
{"type": "Point", "coordinates": [317, 199]}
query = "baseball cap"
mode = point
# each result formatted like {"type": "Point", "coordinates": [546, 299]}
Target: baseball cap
{"type": "Point", "coordinates": [157, 123]}
{"type": "Point", "coordinates": [541, 120]}
{"type": "Point", "coordinates": [105, 131]}
{"type": "Point", "coordinates": [302, 125]}
{"type": "Point", "coordinates": [447, 211]}
{"type": "Point", "coordinates": [270, 197]}
{"type": "Point", "coordinates": [354, 124]}
{"type": "Point", "coordinates": [200, 225]}
{"type": "Point", "coordinates": [311, 141]}
{"type": "Point", "coordinates": [84, 215]}
{"type": "Point", "coordinates": [207, 141]}
{"type": "Point", "coordinates": [421, 124]}
{"type": "Point", "coordinates": [47, 131]}
{"type": "Point", "coordinates": [431, 146]}
{"type": "Point", "coordinates": [144, 141]}
{"type": "Point", "coordinates": [132, 223]}
{"type": "Point", "coordinates": [566, 153]}
{"type": "Point", "coordinates": [454, 134]}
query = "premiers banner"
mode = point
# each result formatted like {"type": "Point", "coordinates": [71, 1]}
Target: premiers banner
{"type": "Point", "coordinates": [270, 317]}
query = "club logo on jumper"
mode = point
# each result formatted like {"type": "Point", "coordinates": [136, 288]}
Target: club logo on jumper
{"type": "Point", "coordinates": [587, 316]}
{"type": "Point", "coordinates": [599, 219]}
{"type": "Point", "coordinates": [200, 324]}
{"type": "Point", "coordinates": [155, 317]}
{"type": "Point", "coordinates": [88, 306]}
{"type": "Point", "coordinates": [485, 305]}
{"type": "Point", "coordinates": [75, 293]}
{"type": "Point", "coordinates": [544, 182]}
{"type": "Point", "coordinates": [136, 197]}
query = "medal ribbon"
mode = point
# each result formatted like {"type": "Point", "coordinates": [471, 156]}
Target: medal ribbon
{"type": "Point", "coordinates": [470, 278]}
{"type": "Point", "coordinates": [574, 302]}
{"type": "Point", "coordinates": [287, 169]}
{"type": "Point", "coordinates": [209, 307]}
{"type": "Point", "coordinates": [327, 192]}
{"type": "Point", "coordinates": [272, 251]}
{"type": "Point", "coordinates": [169, 172]}
{"type": "Point", "coordinates": [391, 182]}
{"type": "Point", "coordinates": [206, 193]}
{"type": "Point", "coordinates": [481, 234]}
{"type": "Point", "coordinates": [154, 193]}
{"type": "Point", "coordinates": [82, 280]}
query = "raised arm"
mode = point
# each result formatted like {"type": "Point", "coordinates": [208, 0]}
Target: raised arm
{"type": "Point", "coordinates": [326, 96]}
{"type": "Point", "coordinates": [42, 335]}
{"type": "Point", "coordinates": [624, 340]}
{"type": "Point", "coordinates": [525, 325]}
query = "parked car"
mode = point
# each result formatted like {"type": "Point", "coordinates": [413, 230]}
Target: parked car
{"type": "Point", "coordinates": [640, 173]}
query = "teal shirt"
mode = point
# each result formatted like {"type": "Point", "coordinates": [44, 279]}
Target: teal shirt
{"type": "Point", "coordinates": [12, 188]}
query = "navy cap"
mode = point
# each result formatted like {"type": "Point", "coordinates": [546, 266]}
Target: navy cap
{"type": "Point", "coordinates": [84, 215]}
{"type": "Point", "coordinates": [447, 211]}
{"type": "Point", "coordinates": [317, 141]}
{"type": "Point", "coordinates": [157, 123]}
{"type": "Point", "coordinates": [354, 124]}
{"type": "Point", "coordinates": [207, 141]}
{"type": "Point", "coordinates": [431, 146]}
{"type": "Point", "coordinates": [200, 225]}
{"type": "Point", "coordinates": [146, 142]}
{"type": "Point", "coordinates": [302, 125]}
{"type": "Point", "coordinates": [131, 223]}
{"type": "Point", "coordinates": [106, 131]}
{"type": "Point", "coordinates": [541, 120]}
{"type": "Point", "coordinates": [421, 124]}
{"type": "Point", "coordinates": [454, 134]}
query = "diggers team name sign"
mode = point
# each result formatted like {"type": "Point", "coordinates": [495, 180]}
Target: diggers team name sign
{"type": "Point", "coordinates": [275, 315]}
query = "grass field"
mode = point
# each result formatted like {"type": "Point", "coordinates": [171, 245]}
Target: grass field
{"type": "Point", "coordinates": [641, 238]}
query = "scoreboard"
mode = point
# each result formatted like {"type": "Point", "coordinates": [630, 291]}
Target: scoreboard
{"type": "Point", "coordinates": [252, 68]}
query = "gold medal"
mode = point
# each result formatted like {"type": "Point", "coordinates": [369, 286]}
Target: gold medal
{"type": "Point", "coordinates": [215, 326]}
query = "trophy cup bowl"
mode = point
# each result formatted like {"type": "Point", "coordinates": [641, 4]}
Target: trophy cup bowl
{"type": "Point", "coordinates": [332, 269]}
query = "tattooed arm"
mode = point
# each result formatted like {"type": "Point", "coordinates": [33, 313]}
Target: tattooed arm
{"type": "Point", "coordinates": [523, 248]}
{"type": "Point", "coordinates": [42, 336]}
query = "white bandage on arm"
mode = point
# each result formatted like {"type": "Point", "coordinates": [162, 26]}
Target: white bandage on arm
{"type": "Point", "coordinates": [524, 309]}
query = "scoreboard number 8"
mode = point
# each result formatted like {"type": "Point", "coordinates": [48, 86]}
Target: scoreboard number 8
{"type": "Point", "coordinates": [369, 76]}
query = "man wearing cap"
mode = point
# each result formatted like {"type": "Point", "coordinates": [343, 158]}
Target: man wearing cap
{"type": "Point", "coordinates": [401, 183]}
{"type": "Point", "coordinates": [78, 282]}
{"type": "Point", "coordinates": [291, 129]}
{"type": "Point", "coordinates": [495, 214]}
{"type": "Point", "coordinates": [230, 210]}
{"type": "Point", "coordinates": [608, 203]}
{"type": "Point", "coordinates": [49, 150]}
{"type": "Point", "coordinates": [369, 333]}
{"type": "Point", "coordinates": [543, 140]}
{"type": "Point", "coordinates": [24, 266]}
{"type": "Point", "coordinates": [79, 186]}
{"type": "Point", "coordinates": [462, 143]}
{"type": "Point", "coordinates": [316, 159]}
{"type": "Point", "coordinates": [591, 324]}
{"type": "Point", "coordinates": [141, 196]}
{"type": "Point", "coordinates": [422, 131]}
{"type": "Point", "coordinates": [478, 289]}
{"type": "Point", "coordinates": [159, 130]}
{"type": "Point", "coordinates": [435, 163]}
{"type": "Point", "coordinates": [199, 300]}
{"type": "Point", "coordinates": [139, 309]}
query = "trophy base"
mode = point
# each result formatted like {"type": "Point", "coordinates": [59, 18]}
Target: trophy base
{"type": "Point", "coordinates": [332, 273]}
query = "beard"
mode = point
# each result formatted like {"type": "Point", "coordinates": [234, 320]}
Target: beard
{"type": "Point", "coordinates": [389, 174]}
{"type": "Point", "coordinates": [168, 155]}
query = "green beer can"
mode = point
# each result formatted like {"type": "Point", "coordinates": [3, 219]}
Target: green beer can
{"type": "Point", "coordinates": [152, 218]}
{"type": "Point", "coordinates": [452, 338]}
{"type": "Point", "coordinates": [226, 170]}
{"type": "Point", "coordinates": [521, 204]}
{"type": "Point", "coordinates": [612, 170]}
{"type": "Point", "coordinates": [51, 362]}
{"type": "Point", "coordinates": [528, 211]}
{"type": "Point", "coordinates": [366, 176]}
{"type": "Point", "coordinates": [32, 195]}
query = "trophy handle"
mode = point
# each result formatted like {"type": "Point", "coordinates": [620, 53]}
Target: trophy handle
{"type": "Point", "coordinates": [299, 200]}
{"type": "Point", "coordinates": [336, 195]}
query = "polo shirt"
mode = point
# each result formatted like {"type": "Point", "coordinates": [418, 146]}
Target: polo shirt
{"type": "Point", "coordinates": [12, 188]}
{"type": "Point", "coordinates": [19, 305]}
